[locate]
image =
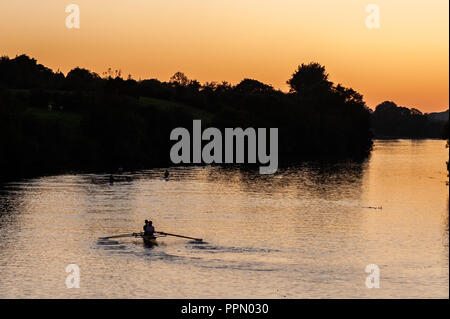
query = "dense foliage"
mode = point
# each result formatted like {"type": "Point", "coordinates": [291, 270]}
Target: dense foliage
{"type": "Point", "coordinates": [392, 121]}
{"type": "Point", "coordinates": [51, 122]}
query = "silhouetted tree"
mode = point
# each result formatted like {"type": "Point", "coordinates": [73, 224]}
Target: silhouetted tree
{"type": "Point", "coordinates": [79, 78]}
{"type": "Point", "coordinates": [390, 120]}
{"type": "Point", "coordinates": [179, 79]}
{"type": "Point", "coordinates": [309, 79]}
{"type": "Point", "coordinates": [445, 131]}
{"type": "Point", "coordinates": [25, 72]}
{"type": "Point", "coordinates": [250, 86]}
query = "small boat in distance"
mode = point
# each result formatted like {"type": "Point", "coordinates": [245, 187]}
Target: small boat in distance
{"type": "Point", "coordinates": [166, 175]}
{"type": "Point", "coordinates": [150, 240]}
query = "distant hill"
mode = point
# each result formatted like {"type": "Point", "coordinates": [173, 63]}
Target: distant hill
{"type": "Point", "coordinates": [438, 116]}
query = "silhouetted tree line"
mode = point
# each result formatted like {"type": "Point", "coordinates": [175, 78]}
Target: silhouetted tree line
{"type": "Point", "coordinates": [392, 121]}
{"type": "Point", "coordinates": [50, 122]}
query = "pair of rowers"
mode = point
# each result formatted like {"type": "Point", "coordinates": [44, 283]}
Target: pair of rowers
{"type": "Point", "coordinates": [149, 230]}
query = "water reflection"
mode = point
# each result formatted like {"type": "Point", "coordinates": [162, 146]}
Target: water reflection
{"type": "Point", "coordinates": [303, 232]}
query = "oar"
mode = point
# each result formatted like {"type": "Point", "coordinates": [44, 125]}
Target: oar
{"type": "Point", "coordinates": [118, 236]}
{"type": "Point", "coordinates": [174, 235]}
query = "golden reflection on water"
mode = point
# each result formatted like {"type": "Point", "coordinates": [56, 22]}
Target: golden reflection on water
{"type": "Point", "coordinates": [304, 232]}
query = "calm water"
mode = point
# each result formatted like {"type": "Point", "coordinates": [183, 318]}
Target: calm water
{"type": "Point", "coordinates": [302, 233]}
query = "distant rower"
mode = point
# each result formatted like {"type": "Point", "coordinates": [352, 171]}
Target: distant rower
{"type": "Point", "coordinates": [149, 230]}
{"type": "Point", "coordinates": [145, 226]}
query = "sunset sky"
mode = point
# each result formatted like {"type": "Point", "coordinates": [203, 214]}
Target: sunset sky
{"type": "Point", "coordinates": [406, 60]}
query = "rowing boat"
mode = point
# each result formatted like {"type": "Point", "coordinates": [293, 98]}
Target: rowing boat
{"type": "Point", "coordinates": [149, 240]}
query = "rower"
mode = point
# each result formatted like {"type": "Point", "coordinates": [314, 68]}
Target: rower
{"type": "Point", "coordinates": [145, 226]}
{"type": "Point", "coordinates": [149, 229]}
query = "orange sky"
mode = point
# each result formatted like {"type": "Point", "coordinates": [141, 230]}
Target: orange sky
{"type": "Point", "coordinates": [406, 60]}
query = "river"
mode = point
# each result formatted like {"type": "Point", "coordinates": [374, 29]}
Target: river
{"type": "Point", "coordinates": [305, 232]}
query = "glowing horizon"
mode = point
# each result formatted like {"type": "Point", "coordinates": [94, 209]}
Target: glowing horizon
{"type": "Point", "coordinates": [405, 61]}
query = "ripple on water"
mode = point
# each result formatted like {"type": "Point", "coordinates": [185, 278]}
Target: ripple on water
{"type": "Point", "coordinates": [230, 249]}
{"type": "Point", "coordinates": [302, 231]}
